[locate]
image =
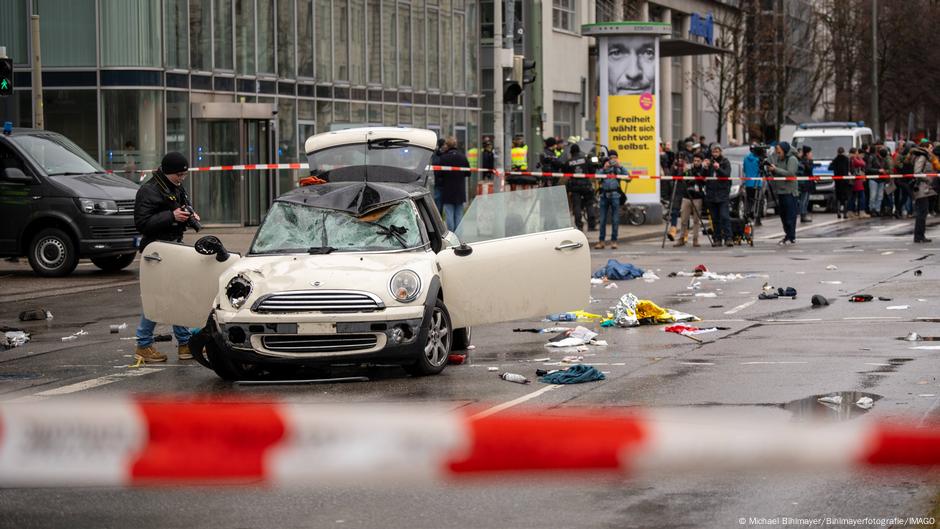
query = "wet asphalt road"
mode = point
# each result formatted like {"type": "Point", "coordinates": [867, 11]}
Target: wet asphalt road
{"type": "Point", "coordinates": [776, 353]}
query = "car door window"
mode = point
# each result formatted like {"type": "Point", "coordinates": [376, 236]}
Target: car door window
{"type": "Point", "coordinates": [432, 229]}
{"type": "Point", "coordinates": [9, 159]}
{"type": "Point", "coordinates": [515, 213]}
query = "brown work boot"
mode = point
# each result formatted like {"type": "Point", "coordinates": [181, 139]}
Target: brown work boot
{"type": "Point", "coordinates": [671, 234]}
{"type": "Point", "coordinates": [599, 245]}
{"type": "Point", "coordinates": [695, 244]}
{"type": "Point", "coordinates": [613, 245]}
{"type": "Point", "coordinates": [184, 352]}
{"type": "Point", "coordinates": [680, 242]}
{"type": "Point", "coordinates": [149, 355]}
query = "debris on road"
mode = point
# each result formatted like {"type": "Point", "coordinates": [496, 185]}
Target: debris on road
{"type": "Point", "coordinates": [572, 337]}
{"type": "Point", "coordinates": [541, 331]}
{"type": "Point", "coordinates": [898, 307]}
{"type": "Point", "coordinates": [832, 267]}
{"type": "Point", "coordinates": [513, 377]}
{"type": "Point", "coordinates": [865, 403]}
{"type": "Point", "coordinates": [830, 282]}
{"type": "Point", "coordinates": [882, 298]}
{"type": "Point", "coordinates": [861, 298]}
{"type": "Point", "coordinates": [10, 338]}
{"type": "Point", "coordinates": [456, 359]}
{"type": "Point", "coordinates": [561, 316]}
{"type": "Point", "coordinates": [649, 276]}
{"type": "Point", "coordinates": [117, 328]}
{"type": "Point", "coordinates": [614, 270]}
{"type": "Point", "coordinates": [689, 329]}
{"type": "Point", "coordinates": [573, 375]}
{"type": "Point", "coordinates": [918, 273]}
{"type": "Point", "coordinates": [706, 295]}
{"type": "Point", "coordinates": [611, 285]}
{"type": "Point", "coordinates": [69, 338]}
{"type": "Point", "coordinates": [597, 281]}
{"type": "Point", "coordinates": [832, 399]}
{"type": "Point", "coordinates": [912, 337]}
{"type": "Point", "coordinates": [572, 359]}
{"type": "Point", "coordinates": [35, 315]}
{"type": "Point", "coordinates": [819, 301]}
{"type": "Point", "coordinates": [633, 312]}
{"type": "Point", "coordinates": [492, 369]}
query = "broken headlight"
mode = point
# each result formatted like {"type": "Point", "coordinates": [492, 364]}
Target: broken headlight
{"type": "Point", "coordinates": [238, 290]}
{"type": "Point", "coordinates": [405, 286]}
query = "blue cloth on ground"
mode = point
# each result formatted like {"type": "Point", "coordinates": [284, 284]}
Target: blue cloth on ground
{"type": "Point", "coordinates": [575, 374]}
{"type": "Point", "coordinates": [615, 270]}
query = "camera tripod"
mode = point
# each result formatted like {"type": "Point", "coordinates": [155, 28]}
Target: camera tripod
{"type": "Point", "coordinates": [695, 212]}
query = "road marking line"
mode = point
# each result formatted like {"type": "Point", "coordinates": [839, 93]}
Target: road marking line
{"type": "Point", "coordinates": [87, 384]}
{"type": "Point", "coordinates": [794, 321]}
{"type": "Point", "coordinates": [872, 318]}
{"type": "Point", "coordinates": [769, 363]}
{"type": "Point", "coordinates": [741, 307]}
{"type": "Point", "coordinates": [804, 228]}
{"type": "Point", "coordinates": [506, 405]}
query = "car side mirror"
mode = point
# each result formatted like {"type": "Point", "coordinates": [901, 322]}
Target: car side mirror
{"type": "Point", "coordinates": [15, 174]}
{"type": "Point", "coordinates": [211, 245]}
{"type": "Point", "coordinates": [463, 250]}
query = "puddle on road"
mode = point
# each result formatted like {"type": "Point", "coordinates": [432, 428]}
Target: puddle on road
{"type": "Point", "coordinates": [839, 406]}
{"type": "Point", "coordinates": [19, 376]}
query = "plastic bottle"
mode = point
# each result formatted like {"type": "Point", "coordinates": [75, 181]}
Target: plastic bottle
{"type": "Point", "coordinates": [562, 316]}
{"type": "Point", "coordinates": [512, 377]}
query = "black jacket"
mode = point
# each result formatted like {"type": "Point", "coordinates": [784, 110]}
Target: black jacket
{"type": "Point", "coordinates": [719, 190]}
{"type": "Point", "coordinates": [452, 183]}
{"type": "Point", "coordinates": [840, 165]}
{"type": "Point", "coordinates": [153, 210]}
{"type": "Point", "coordinates": [692, 189]}
{"type": "Point", "coordinates": [579, 165]}
{"type": "Point", "coordinates": [806, 169]}
{"type": "Point", "coordinates": [487, 160]}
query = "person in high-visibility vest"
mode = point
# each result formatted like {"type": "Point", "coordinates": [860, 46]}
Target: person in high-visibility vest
{"type": "Point", "coordinates": [473, 156]}
{"type": "Point", "coordinates": [519, 154]}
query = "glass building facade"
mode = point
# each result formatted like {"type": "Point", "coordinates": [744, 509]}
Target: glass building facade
{"type": "Point", "coordinates": [241, 81]}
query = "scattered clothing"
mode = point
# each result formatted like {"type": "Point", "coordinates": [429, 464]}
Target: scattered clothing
{"type": "Point", "coordinates": [576, 374]}
{"type": "Point", "coordinates": [615, 270]}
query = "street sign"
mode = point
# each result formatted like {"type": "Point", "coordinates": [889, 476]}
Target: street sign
{"type": "Point", "coordinates": [6, 77]}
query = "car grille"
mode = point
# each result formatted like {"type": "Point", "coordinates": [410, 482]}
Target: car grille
{"type": "Point", "coordinates": [330, 343]}
{"type": "Point", "coordinates": [319, 301]}
{"type": "Point", "coordinates": [113, 232]}
{"type": "Point", "coordinates": [125, 206]}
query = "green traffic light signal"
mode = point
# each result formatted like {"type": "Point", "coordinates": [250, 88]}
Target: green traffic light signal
{"type": "Point", "coordinates": [6, 77]}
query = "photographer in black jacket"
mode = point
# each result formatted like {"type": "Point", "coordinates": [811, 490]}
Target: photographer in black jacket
{"type": "Point", "coordinates": [718, 195]}
{"type": "Point", "coordinates": [162, 212]}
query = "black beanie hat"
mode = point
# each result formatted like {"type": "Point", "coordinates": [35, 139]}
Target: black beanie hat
{"type": "Point", "coordinates": [611, 152]}
{"type": "Point", "coordinates": [550, 141]}
{"type": "Point", "coordinates": [173, 163]}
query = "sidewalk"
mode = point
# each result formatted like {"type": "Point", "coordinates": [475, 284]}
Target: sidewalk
{"type": "Point", "coordinates": [238, 239]}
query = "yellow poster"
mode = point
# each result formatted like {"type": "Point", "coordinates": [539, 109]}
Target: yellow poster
{"type": "Point", "coordinates": [631, 131]}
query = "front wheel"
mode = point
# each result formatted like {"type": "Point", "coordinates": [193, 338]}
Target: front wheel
{"type": "Point", "coordinates": [52, 253]}
{"type": "Point", "coordinates": [636, 216]}
{"type": "Point", "coordinates": [114, 263]}
{"type": "Point", "coordinates": [435, 343]}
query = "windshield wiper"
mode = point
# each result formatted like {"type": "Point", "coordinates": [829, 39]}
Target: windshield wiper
{"type": "Point", "coordinates": [67, 173]}
{"type": "Point", "coordinates": [320, 250]}
{"type": "Point", "coordinates": [387, 143]}
{"type": "Point", "coordinates": [393, 231]}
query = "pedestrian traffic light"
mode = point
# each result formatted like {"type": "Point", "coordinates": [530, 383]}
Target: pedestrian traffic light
{"type": "Point", "coordinates": [528, 72]}
{"type": "Point", "coordinates": [6, 77]}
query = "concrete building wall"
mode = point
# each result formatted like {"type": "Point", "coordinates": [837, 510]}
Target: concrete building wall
{"type": "Point", "coordinates": [565, 67]}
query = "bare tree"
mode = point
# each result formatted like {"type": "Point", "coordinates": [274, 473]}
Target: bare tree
{"type": "Point", "coordinates": [720, 82]}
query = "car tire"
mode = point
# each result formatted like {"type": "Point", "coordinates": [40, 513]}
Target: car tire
{"type": "Point", "coordinates": [434, 343]}
{"type": "Point", "coordinates": [52, 253]}
{"type": "Point", "coordinates": [114, 263]}
{"type": "Point", "coordinates": [461, 339]}
{"type": "Point", "coordinates": [224, 366]}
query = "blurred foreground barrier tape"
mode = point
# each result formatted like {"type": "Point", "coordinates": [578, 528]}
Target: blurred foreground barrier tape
{"type": "Point", "coordinates": [154, 442]}
{"type": "Point", "coordinates": [545, 174]}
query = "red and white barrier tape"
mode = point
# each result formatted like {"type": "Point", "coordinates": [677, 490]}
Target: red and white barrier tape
{"type": "Point", "coordinates": [549, 174]}
{"type": "Point", "coordinates": [151, 442]}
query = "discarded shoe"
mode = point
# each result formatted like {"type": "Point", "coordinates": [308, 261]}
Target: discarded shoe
{"type": "Point", "coordinates": [788, 292]}
{"type": "Point", "coordinates": [768, 295]}
{"type": "Point", "coordinates": [861, 298]}
{"type": "Point", "coordinates": [819, 301]}
{"type": "Point", "coordinates": [35, 315]}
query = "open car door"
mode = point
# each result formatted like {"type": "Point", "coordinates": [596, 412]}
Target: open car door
{"type": "Point", "coordinates": [521, 259]}
{"type": "Point", "coordinates": [178, 284]}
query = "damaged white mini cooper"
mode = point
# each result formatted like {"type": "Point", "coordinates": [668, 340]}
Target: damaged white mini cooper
{"type": "Point", "coordinates": [362, 270]}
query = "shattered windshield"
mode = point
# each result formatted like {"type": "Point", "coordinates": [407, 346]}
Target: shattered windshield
{"type": "Point", "coordinates": [296, 228]}
{"type": "Point", "coordinates": [386, 160]}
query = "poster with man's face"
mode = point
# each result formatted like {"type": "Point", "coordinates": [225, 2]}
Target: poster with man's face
{"type": "Point", "coordinates": [628, 67]}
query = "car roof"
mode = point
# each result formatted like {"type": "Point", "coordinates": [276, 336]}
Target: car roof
{"type": "Point", "coordinates": [357, 198]}
{"type": "Point", "coordinates": [833, 131]}
{"type": "Point", "coordinates": [419, 137]}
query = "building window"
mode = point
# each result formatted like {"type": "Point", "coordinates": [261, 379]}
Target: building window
{"type": "Point", "coordinates": [245, 36]}
{"type": "Point", "coordinates": [404, 45]}
{"type": "Point", "coordinates": [375, 41]}
{"type": "Point", "coordinates": [14, 22]}
{"type": "Point", "coordinates": [324, 115]}
{"type": "Point", "coordinates": [61, 43]}
{"type": "Point", "coordinates": [433, 47]}
{"type": "Point", "coordinates": [357, 42]}
{"type": "Point", "coordinates": [200, 32]}
{"type": "Point", "coordinates": [304, 38]}
{"type": "Point", "coordinates": [564, 15]}
{"type": "Point", "coordinates": [340, 40]}
{"type": "Point", "coordinates": [222, 35]}
{"type": "Point", "coordinates": [390, 45]}
{"type": "Point", "coordinates": [324, 35]}
{"type": "Point", "coordinates": [74, 114]}
{"type": "Point", "coordinates": [132, 121]}
{"type": "Point", "coordinates": [460, 66]}
{"type": "Point", "coordinates": [676, 118]}
{"type": "Point", "coordinates": [266, 37]}
{"type": "Point", "coordinates": [287, 142]}
{"type": "Point", "coordinates": [473, 48]}
{"type": "Point", "coordinates": [447, 50]}
{"type": "Point", "coordinates": [285, 39]}
{"type": "Point", "coordinates": [564, 117]}
{"type": "Point", "coordinates": [177, 122]}
{"type": "Point", "coordinates": [127, 35]}
{"type": "Point", "coordinates": [419, 46]}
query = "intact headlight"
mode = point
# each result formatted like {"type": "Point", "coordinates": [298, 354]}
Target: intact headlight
{"type": "Point", "coordinates": [405, 286]}
{"type": "Point", "coordinates": [97, 207]}
{"type": "Point", "coordinates": [238, 290]}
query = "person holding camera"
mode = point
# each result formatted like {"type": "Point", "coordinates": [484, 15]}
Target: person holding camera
{"type": "Point", "coordinates": [788, 193]}
{"type": "Point", "coordinates": [693, 192]}
{"type": "Point", "coordinates": [718, 195]}
{"type": "Point", "coordinates": [611, 194]}
{"type": "Point", "coordinates": [162, 212]}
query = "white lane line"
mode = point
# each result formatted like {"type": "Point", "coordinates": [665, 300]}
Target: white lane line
{"type": "Point", "coordinates": [741, 307]}
{"type": "Point", "coordinates": [87, 384]}
{"type": "Point", "coordinates": [804, 228]}
{"type": "Point", "coordinates": [514, 402]}
{"type": "Point", "coordinates": [872, 318]}
{"type": "Point", "coordinates": [892, 227]}
{"type": "Point", "coordinates": [803, 320]}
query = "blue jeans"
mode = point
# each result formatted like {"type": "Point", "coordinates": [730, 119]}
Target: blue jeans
{"type": "Point", "coordinates": [145, 333]}
{"type": "Point", "coordinates": [612, 201]}
{"type": "Point", "coordinates": [721, 220]}
{"type": "Point", "coordinates": [804, 203]}
{"type": "Point", "coordinates": [789, 210]}
{"type": "Point", "coordinates": [876, 190]}
{"type": "Point", "coordinates": [453, 213]}
{"type": "Point", "coordinates": [437, 199]}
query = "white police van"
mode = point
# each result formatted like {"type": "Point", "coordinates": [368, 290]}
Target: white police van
{"type": "Point", "coordinates": [825, 138]}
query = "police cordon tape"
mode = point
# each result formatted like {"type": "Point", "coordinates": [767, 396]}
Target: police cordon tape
{"type": "Point", "coordinates": [158, 441]}
{"type": "Point", "coordinates": [549, 174]}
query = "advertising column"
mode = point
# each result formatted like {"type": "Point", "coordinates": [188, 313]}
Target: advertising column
{"type": "Point", "coordinates": [628, 68]}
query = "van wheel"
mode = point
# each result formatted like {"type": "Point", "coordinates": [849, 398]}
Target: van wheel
{"type": "Point", "coordinates": [434, 343]}
{"type": "Point", "coordinates": [114, 263]}
{"type": "Point", "coordinates": [52, 253]}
